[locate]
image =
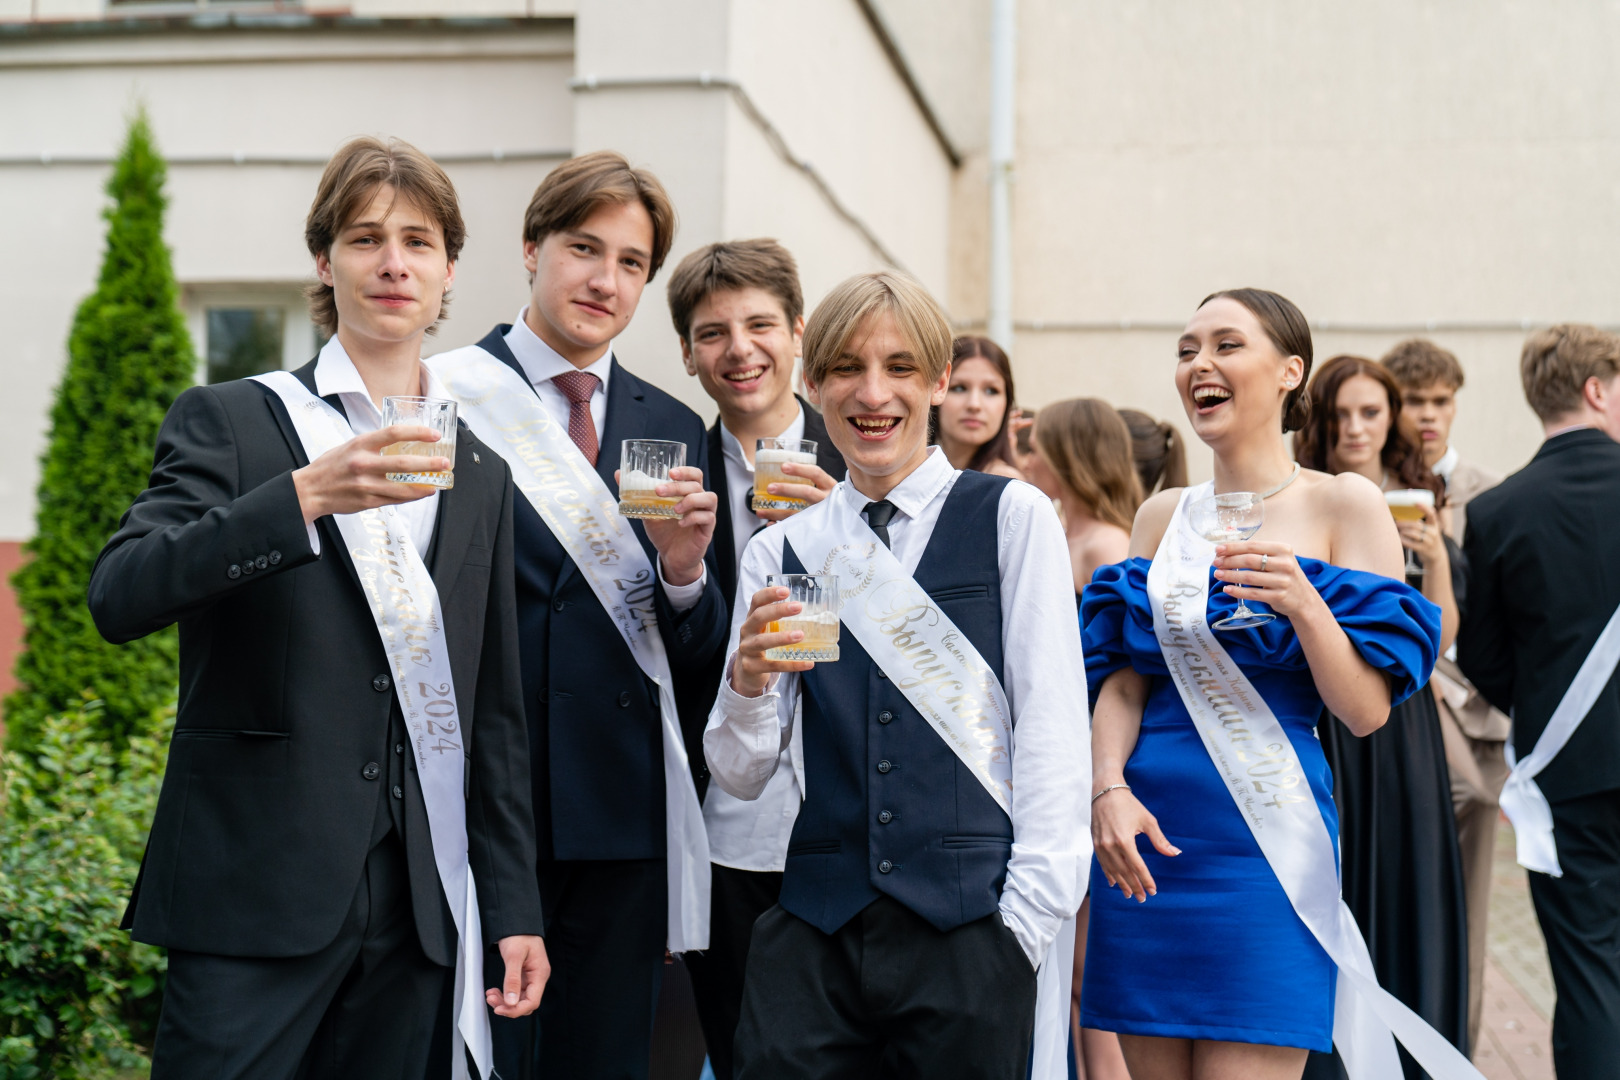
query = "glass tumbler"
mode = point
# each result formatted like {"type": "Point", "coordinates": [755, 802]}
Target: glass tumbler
{"type": "Point", "coordinates": [436, 413]}
{"type": "Point", "coordinates": [769, 457]}
{"type": "Point", "coordinates": [818, 593]}
{"type": "Point", "coordinates": [643, 465]}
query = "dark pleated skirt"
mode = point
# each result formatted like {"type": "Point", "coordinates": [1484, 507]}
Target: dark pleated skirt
{"type": "Point", "coordinates": [1402, 867]}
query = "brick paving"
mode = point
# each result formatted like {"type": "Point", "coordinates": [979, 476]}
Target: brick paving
{"type": "Point", "coordinates": [1515, 1037]}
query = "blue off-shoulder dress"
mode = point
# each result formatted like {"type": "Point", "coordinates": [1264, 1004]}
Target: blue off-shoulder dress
{"type": "Point", "coordinates": [1218, 953]}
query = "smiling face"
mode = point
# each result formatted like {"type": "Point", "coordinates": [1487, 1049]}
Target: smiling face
{"type": "Point", "coordinates": [1362, 416]}
{"type": "Point", "coordinates": [388, 270]}
{"type": "Point", "coordinates": [876, 397]}
{"type": "Point", "coordinates": [1231, 377]}
{"type": "Point", "coordinates": [1431, 409]}
{"type": "Point", "coordinates": [741, 347]}
{"type": "Point", "coordinates": [588, 280]}
{"type": "Point", "coordinates": [975, 403]}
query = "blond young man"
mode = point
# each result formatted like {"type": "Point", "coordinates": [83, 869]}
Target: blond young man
{"type": "Point", "coordinates": [739, 314]}
{"type": "Point", "coordinates": [617, 821]}
{"type": "Point", "coordinates": [917, 898]}
{"type": "Point", "coordinates": [1540, 638]}
{"type": "Point", "coordinates": [294, 870]}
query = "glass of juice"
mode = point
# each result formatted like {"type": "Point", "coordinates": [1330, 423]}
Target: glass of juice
{"type": "Point", "coordinates": [436, 413]}
{"type": "Point", "coordinates": [769, 457]}
{"type": "Point", "coordinates": [818, 593]}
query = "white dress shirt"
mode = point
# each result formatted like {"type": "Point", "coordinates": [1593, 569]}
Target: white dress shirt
{"type": "Point", "coordinates": [1043, 675]}
{"type": "Point", "coordinates": [1446, 465]}
{"type": "Point", "coordinates": [753, 835]}
{"type": "Point", "coordinates": [335, 373]}
{"type": "Point", "coordinates": [541, 363]}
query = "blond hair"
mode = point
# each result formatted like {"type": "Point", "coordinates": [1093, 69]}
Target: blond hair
{"type": "Point", "coordinates": [1558, 361]}
{"type": "Point", "coordinates": [352, 177]}
{"type": "Point", "coordinates": [1088, 445]}
{"type": "Point", "coordinates": [852, 301]}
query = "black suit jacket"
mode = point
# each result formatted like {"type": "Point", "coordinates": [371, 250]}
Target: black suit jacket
{"type": "Point", "coordinates": [268, 805]}
{"type": "Point", "coordinates": [594, 726]}
{"type": "Point", "coordinates": [1544, 551]}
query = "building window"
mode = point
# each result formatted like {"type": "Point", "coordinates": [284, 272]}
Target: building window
{"type": "Point", "coordinates": [244, 341]}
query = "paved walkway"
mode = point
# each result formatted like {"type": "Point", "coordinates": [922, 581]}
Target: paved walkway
{"type": "Point", "coordinates": [1515, 1037]}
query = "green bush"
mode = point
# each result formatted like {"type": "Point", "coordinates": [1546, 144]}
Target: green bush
{"type": "Point", "coordinates": [129, 357]}
{"type": "Point", "coordinates": [78, 998]}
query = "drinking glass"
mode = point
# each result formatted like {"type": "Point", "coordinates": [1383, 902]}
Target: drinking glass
{"type": "Point", "coordinates": [436, 413]}
{"type": "Point", "coordinates": [1237, 515]}
{"type": "Point", "coordinates": [818, 593]}
{"type": "Point", "coordinates": [769, 457]}
{"type": "Point", "coordinates": [1407, 504]}
{"type": "Point", "coordinates": [643, 465]}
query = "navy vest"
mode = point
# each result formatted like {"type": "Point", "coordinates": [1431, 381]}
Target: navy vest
{"type": "Point", "coordinates": [889, 809]}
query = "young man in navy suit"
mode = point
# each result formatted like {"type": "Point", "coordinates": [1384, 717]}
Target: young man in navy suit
{"type": "Point", "coordinates": [595, 233]}
{"type": "Point", "coordinates": [739, 312]}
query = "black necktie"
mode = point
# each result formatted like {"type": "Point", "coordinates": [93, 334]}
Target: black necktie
{"type": "Point", "coordinates": [878, 516]}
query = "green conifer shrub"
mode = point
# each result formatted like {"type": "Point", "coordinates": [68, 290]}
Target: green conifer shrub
{"type": "Point", "coordinates": [129, 357]}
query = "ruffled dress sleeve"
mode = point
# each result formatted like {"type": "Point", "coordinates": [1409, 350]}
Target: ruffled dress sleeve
{"type": "Point", "coordinates": [1111, 607]}
{"type": "Point", "coordinates": [1394, 627]}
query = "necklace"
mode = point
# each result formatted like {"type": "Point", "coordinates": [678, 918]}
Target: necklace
{"type": "Point", "coordinates": [1291, 477]}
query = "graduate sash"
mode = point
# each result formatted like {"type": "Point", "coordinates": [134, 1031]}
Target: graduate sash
{"type": "Point", "coordinates": [1521, 800]}
{"type": "Point", "coordinates": [548, 469]}
{"type": "Point", "coordinates": [1251, 751]}
{"type": "Point", "coordinates": [405, 604]}
{"type": "Point", "coordinates": [929, 660]}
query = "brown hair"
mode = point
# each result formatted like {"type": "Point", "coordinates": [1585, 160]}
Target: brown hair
{"type": "Point", "coordinates": [1157, 449]}
{"type": "Point", "coordinates": [577, 188]}
{"type": "Point", "coordinates": [351, 178]}
{"type": "Point", "coordinates": [1401, 455]}
{"type": "Point", "coordinates": [736, 264]}
{"type": "Point", "coordinates": [1419, 362]}
{"type": "Point", "coordinates": [1285, 325]}
{"type": "Point", "coordinates": [1088, 446]}
{"type": "Point", "coordinates": [999, 446]}
{"type": "Point", "coordinates": [840, 314]}
{"type": "Point", "coordinates": [1557, 362]}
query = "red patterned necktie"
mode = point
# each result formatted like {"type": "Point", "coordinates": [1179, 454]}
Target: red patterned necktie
{"type": "Point", "coordinates": [577, 387]}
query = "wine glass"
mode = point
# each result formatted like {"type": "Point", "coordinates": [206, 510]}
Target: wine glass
{"type": "Point", "coordinates": [1237, 515]}
{"type": "Point", "coordinates": [1408, 504]}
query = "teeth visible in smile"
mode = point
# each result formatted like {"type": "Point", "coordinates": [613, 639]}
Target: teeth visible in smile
{"type": "Point", "coordinates": [744, 376]}
{"type": "Point", "coordinates": [876, 423]}
{"type": "Point", "coordinates": [1209, 395]}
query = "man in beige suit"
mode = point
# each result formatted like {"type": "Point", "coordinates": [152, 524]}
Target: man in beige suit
{"type": "Point", "coordinates": [1430, 377]}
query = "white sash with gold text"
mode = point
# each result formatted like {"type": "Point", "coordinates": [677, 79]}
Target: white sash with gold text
{"type": "Point", "coordinates": [929, 660]}
{"type": "Point", "coordinates": [405, 604]}
{"type": "Point", "coordinates": [548, 469]}
{"type": "Point", "coordinates": [1253, 755]}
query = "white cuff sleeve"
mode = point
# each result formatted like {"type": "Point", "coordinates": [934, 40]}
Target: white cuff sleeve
{"type": "Point", "coordinates": [683, 597]}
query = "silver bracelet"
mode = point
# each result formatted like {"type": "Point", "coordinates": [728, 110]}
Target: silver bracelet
{"type": "Point", "coordinates": [1110, 787]}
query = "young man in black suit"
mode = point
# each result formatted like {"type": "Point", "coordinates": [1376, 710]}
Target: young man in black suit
{"type": "Point", "coordinates": [1545, 559]}
{"type": "Point", "coordinates": [739, 312]}
{"type": "Point", "coordinates": [291, 870]}
{"type": "Point", "coordinates": [618, 825]}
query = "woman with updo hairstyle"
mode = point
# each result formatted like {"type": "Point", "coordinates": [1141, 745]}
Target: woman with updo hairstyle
{"type": "Point", "coordinates": [1204, 723]}
{"type": "Point", "coordinates": [1401, 863]}
{"type": "Point", "coordinates": [971, 426]}
{"type": "Point", "coordinates": [1161, 459]}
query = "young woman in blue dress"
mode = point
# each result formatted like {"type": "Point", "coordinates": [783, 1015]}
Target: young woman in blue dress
{"type": "Point", "coordinates": [1197, 959]}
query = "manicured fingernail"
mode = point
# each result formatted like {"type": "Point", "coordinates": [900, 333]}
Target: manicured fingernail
{"type": "Point", "coordinates": [511, 999]}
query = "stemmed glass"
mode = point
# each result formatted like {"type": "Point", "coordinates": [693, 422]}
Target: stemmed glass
{"type": "Point", "coordinates": [1408, 504]}
{"type": "Point", "coordinates": [1237, 515]}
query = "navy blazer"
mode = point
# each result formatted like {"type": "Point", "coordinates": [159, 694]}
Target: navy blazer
{"type": "Point", "coordinates": [594, 729]}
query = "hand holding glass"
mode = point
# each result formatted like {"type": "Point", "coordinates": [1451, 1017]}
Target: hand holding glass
{"type": "Point", "coordinates": [1237, 515]}
{"type": "Point", "coordinates": [769, 457]}
{"type": "Point", "coordinates": [1408, 504]}
{"type": "Point", "coordinates": [436, 413]}
{"type": "Point", "coordinates": [818, 619]}
{"type": "Point", "coordinates": [643, 465]}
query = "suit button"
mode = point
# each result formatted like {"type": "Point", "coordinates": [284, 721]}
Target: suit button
{"type": "Point", "coordinates": [234, 572]}
{"type": "Point", "coordinates": [275, 558]}
{"type": "Point", "coordinates": [884, 766]}
{"type": "Point", "coordinates": [883, 675]}
{"type": "Point", "coordinates": [371, 771]}
{"type": "Point", "coordinates": [381, 684]}
{"type": "Point", "coordinates": [262, 562]}
{"type": "Point", "coordinates": [398, 792]}
{"type": "Point", "coordinates": [624, 700]}
{"type": "Point", "coordinates": [885, 866]}
{"type": "Point", "coordinates": [558, 605]}
{"type": "Point", "coordinates": [884, 817]}
{"type": "Point", "coordinates": [399, 748]}
{"type": "Point", "coordinates": [885, 716]}
{"type": "Point", "coordinates": [247, 566]}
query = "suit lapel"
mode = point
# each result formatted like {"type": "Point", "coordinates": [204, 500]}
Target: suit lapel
{"type": "Point", "coordinates": [453, 520]}
{"type": "Point", "coordinates": [626, 419]}
{"type": "Point", "coordinates": [724, 539]}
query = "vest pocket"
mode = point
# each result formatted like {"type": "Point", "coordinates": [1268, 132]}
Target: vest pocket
{"type": "Point", "coordinates": [959, 592]}
{"type": "Point", "coordinates": [815, 847]}
{"type": "Point", "coordinates": [975, 842]}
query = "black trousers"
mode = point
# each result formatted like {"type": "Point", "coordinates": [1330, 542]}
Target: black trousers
{"type": "Point", "coordinates": [369, 1005]}
{"type": "Point", "coordinates": [737, 899]}
{"type": "Point", "coordinates": [606, 923]}
{"type": "Point", "coordinates": [1580, 918]}
{"type": "Point", "coordinates": [886, 989]}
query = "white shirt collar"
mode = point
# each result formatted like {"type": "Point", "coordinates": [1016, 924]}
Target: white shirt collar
{"type": "Point", "coordinates": [916, 491]}
{"type": "Point", "coordinates": [1447, 462]}
{"type": "Point", "coordinates": [732, 447]}
{"type": "Point", "coordinates": [335, 373]}
{"type": "Point", "coordinates": [541, 363]}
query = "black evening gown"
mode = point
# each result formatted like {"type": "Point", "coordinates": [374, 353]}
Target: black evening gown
{"type": "Point", "coordinates": [1402, 868]}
